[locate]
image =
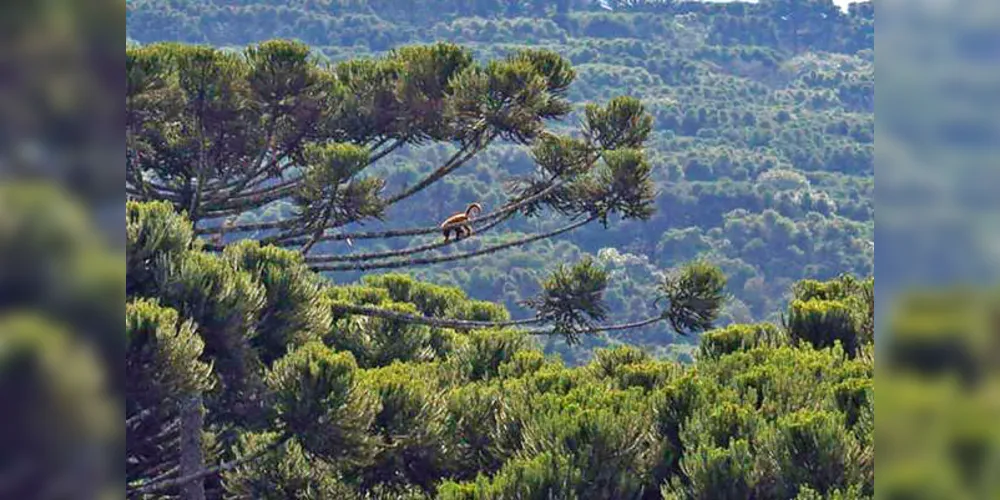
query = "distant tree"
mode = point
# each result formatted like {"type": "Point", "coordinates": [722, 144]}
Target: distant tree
{"type": "Point", "coordinates": [805, 23]}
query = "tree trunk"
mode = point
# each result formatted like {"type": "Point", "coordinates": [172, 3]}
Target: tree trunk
{"type": "Point", "coordinates": [192, 459]}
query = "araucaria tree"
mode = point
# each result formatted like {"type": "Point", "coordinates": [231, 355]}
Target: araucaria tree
{"type": "Point", "coordinates": [235, 347]}
{"type": "Point", "coordinates": [221, 135]}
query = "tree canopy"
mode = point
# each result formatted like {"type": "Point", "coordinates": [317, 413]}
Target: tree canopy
{"type": "Point", "coordinates": [303, 396]}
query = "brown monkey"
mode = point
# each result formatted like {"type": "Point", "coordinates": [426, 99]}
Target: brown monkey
{"type": "Point", "coordinates": [459, 223]}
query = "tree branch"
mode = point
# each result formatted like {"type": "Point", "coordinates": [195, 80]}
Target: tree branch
{"type": "Point", "coordinates": [382, 154]}
{"type": "Point", "coordinates": [165, 483]}
{"type": "Point", "coordinates": [466, 324]}
{"type": "Point", "coordinates": [497, 217]}
{"type": "Point", "coordinates": [396, 253]}
{"type": "Point", "coordinates": [137, 418]}
{"type": "Point", "coordinates": [457, 160]}
{"type": "Point", "coordinates": [426, 320]}
{"type": "Point", "coordinates": [263, 195]}
{"type": "Point", "coordinates": [434, 260]}
{"type": "Point", "coordinates": [502, 212]}
{"type": "Point", "coordinates": [608, 328]}
{"type": "Point", "coordinates": [233, 187]}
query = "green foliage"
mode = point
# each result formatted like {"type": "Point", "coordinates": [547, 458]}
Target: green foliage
{"type": "Point", "coordinates": [721, 425]}
{"type": "Point", "coordinates": [436, 301]}
{"type": "Point", "coordinates": [485, 352]}
{"type": "Point", "coordinates": [573, 298]}
{"type": "Point", "coordinates": [287, 473]}
{"type": "Point", "coordinates": [164, 373]}
{"type": "Point", "coordinates": [271, 125]}
{"type": "Point", "coordinates": [622, 124]}
{"type": "Point", "coordinates": [648, 375]}
{"type": "Point", "coordinates": [694, 294]}
{"type": "Point", "coordinates": [823, 323]}
{"type": "Point", "coordinates": [673, 404]}
{"type": "Point", "coordinates": [269, 142]}
{"type": "Point", "coordinates": [544, 476]}
{"type": "Point", "coordinates": [408, 429]}
{"type": "Point", "coordinates": [363, 295]}
{"type": "Point", "coordinates": [629, 367]}
{"type": "Point", "coordinates": [431, 411]}
{"type": "Point", "coordinates": [854, 397]}
{"type": "Point", "coordinates": [767, 420]}
{"type": "Point", "coordinates": [379, 342]}
{"type": "Point", "coordinates": [609, 362]}
{"type": "Point", "coordinates": [318, 399]}
{"type": "Point", "coordinates": [295, 310]}
{"type": "Point", "coordinates": [724, 473]}
{"type": "Point", "coordinates": [224, 302]}
{"type": "Point", "coordinates": [155, 237]}
{"type": "Point", "coordinates": [474, 411]}
{"type": "Point", "coordinates": [560, 155]}
{"type": "Point", "coordinates": [328, 191]}
{"type": "Point", "coordinates": [221, 300]}
{"type": "Point", "coordinates": [522, 363]}
{"type": "Point", "coordinates": [630, 189]}
{"type": "Point", "coordinates": [858, 295]}
{"type": "Point", "coordinates": [812, 448]}
{"type": "Point", "coordinates": [582, 444]}
{"type": "Point", "coordinates": [167, 351]}
{"type": "Point", "coordinates": [732, 338]}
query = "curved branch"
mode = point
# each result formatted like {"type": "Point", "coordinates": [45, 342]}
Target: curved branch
{"type": "Point", "coordinates": [267, 195]}
{"type": "Point", "coordinates": [295, 238]}
{"type": "Point", "coordinates": [502, 212]}
{"type": "Point", "coordinates": [435, 260]}
{"type": "Point", "coordinates": [466, 153]}
{"type": "Point", "coordinates": [284, 150]}
{"type": "Point", "coordinates": [255, 199]}
{"type": "Point", "coordinates": [165, 483]}
{"type": "Point", "coordinates": [398, 253]}
{"type": "Point", "coordinates": [467, 324]}
{"type": "Point", "coordinates": [608, 328]}
{"type": "Point", "coordinates": [150, 191]}
{"type": "Point", "coordinates": [500, 215]}
{"type": "Point", "coordinates": [425, 320]}
{"type": "Point", "coordinates": [230, 200]}
{"type": "Point", "coordinates": [382, 154]}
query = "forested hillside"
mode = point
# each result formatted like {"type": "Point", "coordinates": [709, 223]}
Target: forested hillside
{"type": "Point", "coordinates": [300, 323]}
{"type": "Point", "coordinates": [761, 147]}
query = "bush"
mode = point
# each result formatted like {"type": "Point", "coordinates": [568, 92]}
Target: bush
{"type": "Point", "coordinates": [732, 338]}
{"type": "Point", "coordinates": [823, 323]}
